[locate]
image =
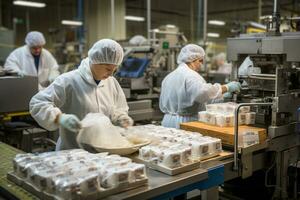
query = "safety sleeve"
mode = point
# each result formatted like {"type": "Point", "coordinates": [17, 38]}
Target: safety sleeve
{"type": "Point", "coordinates": [12, 63]}
{"type": "Point", "coordinates": [53, 66]}
{"type": "Point", "coordinates": [202, 92]}
{"type": "Point", "coordinates": [45, 105]}
{"type": "Point", "coordinates": [120, 107]}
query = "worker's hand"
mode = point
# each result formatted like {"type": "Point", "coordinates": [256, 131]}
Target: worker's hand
{"type": "Point", "coordinates": [70, 122]}
{"type": "Point", "coordinates": [233, 87]}
{"type": "Point", "coordinates": [125, 122]}
{"type": "Point", "coordinates": [227, 95]}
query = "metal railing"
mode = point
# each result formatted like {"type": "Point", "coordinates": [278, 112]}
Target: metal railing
{"type": "Point", "coordinates": [236, 129]}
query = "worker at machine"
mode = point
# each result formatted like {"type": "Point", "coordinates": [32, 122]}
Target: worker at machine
{"type": "Point", "coordinates": [33, 60]}
{"type": "Point", "coordinates": [184, 92]}
{"type": "Point", "coordinates": [88, 89]}
{"type": "Point", "coordinates": [222, 66]}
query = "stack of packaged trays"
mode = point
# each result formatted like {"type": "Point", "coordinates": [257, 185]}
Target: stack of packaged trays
{"type": "Point", "coordinates": [222, 114]}
{"type": "Point", "coordinates": [173, 148]}
{"type": "Point", "coordinates": [74, 174]}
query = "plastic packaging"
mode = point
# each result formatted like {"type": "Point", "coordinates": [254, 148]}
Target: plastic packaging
{"type": "Point", "coordinates": [250, 118]}
{"type": "Point", "coordinates": [76, 174]}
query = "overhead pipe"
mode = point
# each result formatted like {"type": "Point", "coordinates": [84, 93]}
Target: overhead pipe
{"type": "Point", "coordinates": [149, 20]}
{"type": "Point", "coordinates": [112, 3]}
{"type": "Point", "coordinates": [80, 30]}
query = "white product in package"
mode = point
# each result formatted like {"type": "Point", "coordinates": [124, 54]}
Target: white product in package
{"type": "Point", "coordinates": [207, 117]}
{"type": "Point", "coordinates": [242, 118]}
{"type": "Point", "coordinates": [113, 177]}
{"type": "Point", "coordinates": [98, 131]}
{"type": "Point", "coordinates": [250, 118]}
{"type": "Point", "coordinates": [248, 138]}
{"type": "Point", "coordinates": [170, 158]}
{"type": "Point", "coordinates": [224, 120]}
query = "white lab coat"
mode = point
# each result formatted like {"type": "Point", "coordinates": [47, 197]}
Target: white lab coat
{"type": "Point", "coordinates": [21, 60]}
{"type": "Point", "coordinates": [77, 93]}
{"type": "Point", "coordinates": [183, 94]}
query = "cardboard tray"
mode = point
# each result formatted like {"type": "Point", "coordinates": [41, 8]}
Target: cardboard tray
{"type": "Point", "coordinates": [173, 171]}
{"type": "Point", "coordinates": [11, 176]}
{"type": "Point", "coordinates": [226, 134]}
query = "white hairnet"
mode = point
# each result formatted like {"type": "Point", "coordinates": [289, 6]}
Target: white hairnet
{"type": "Point", "coordinates": [137, 40]}
{"type": "Point", "coordinates": [189, 53]}
{"type": "Point", "coordinates": [106, 51]}
{"type": "Point", "coordinates": [35, 38]}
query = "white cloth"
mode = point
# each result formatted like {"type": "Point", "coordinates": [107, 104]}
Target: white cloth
{"type": "Point", "coordinates": [183, 94]}
{"type": "Point", "coordinates": [106, 51]}
{"type": "Point", "coordinates": [189, 53]}
{"type": "Point", "coordinates": [98, 131]}
{"type": "Point", "coordinates": [77, 93]}
{"type": "Point", "coordinates": [21, 60]}
{"type": "Point", "coordinates": [35, 38]}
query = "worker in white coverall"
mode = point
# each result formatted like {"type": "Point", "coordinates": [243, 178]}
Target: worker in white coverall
{"type": "Point", "coordinates": [33, 60]}
{"type": "Point", "coordinates": [184, 92]}
{"type": "Point", "coordinates": [223, 66]}
{"type": "Point", "coordinates": [88, 89]}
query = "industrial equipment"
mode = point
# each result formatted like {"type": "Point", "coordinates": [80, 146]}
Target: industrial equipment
{"type": "Point", "coordinates": [7, 41]}
{"type": "Point", "coordinates": [17, 128]}
{"type": "Point", "coordinates": [16, 93]}
{"type": "Point", "coordinates": [274, 94]}
{"type": "Point", "coordinates": [144, 68]}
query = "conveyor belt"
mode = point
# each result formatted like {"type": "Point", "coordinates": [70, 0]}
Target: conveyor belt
{"type": "Point", "coordinates": [7, 188]}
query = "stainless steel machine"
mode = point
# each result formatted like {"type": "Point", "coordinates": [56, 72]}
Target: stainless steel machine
{"type": "Point", "coordinates": [274, 94]}
{"type": "Point", "coordinates": [16, 93]}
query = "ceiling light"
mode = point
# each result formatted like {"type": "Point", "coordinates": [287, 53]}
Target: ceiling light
{"type": "Point", "coordinates": [29, 4]}
{"type": "Point", "coordinates": [266, 17]}
{"type": "Point", "coordinates": [257, 25]}
{"type": "Point", "coordinates": [134, 18]}
{"type": "Point", "coordinates": [214, 35]}
{"type": "Point", "coordinates": [216, 22]}
{"type": "Point", "coordinates": [71, 22]}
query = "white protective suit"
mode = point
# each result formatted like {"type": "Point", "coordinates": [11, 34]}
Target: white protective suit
{"type": "Point", "coordinates": [183, 94]}
{"type": "Point", "coordinates": [21, 60]}
{"type": "Point", "coordinates": [77, 93]}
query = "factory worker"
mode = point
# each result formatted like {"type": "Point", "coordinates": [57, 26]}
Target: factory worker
{"type": "Point", "coordinates": [33, 60]}
{"type": "Point", "coordinates": [184, 92]}
{"type": "Point", "coordinates": [223, 66]}
{"type": "Point", "coordinates": [88, 89]}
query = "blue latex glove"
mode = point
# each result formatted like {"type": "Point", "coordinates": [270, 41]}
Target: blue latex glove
{"type": "Point", "coordinates": [70, 122]}
{"type": "Point", "coordinates": [233, 87]}
{"type": "Point", "coordinates": [227, 95]}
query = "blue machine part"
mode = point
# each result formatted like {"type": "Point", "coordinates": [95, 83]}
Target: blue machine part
{"type": "Point", "coordinates": [215, 178]}
{"type": "Point", "coordinates": [133, 68]}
